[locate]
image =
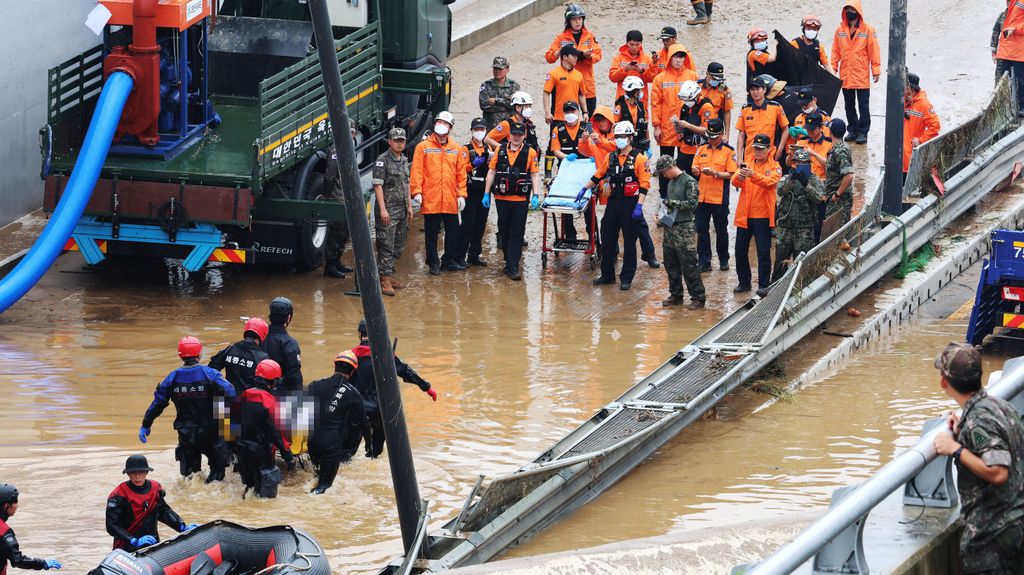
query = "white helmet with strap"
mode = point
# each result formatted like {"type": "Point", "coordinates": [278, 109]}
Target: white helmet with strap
{"type": "Point", "coordinates": [447, 117]}
{"type": "Point", "coordinates": [625, 129]}
{"type": "Point", "coordinates": [632, 83]}
{"type": "Point", "coordinates": [689, 90]}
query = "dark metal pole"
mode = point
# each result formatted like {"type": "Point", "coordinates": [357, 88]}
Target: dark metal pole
{"type": "Point", "coordinates": [403, 473]}
{"type": "Point", "coordinates": [892, 198]}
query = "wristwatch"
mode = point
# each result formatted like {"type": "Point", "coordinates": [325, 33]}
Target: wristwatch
{"type": "Point", "coordinates": [956, 454]}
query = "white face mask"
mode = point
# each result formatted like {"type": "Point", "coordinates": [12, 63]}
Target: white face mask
{"type": "Point", "coordinates": [441, 129]}
{"type": "Point", "coordinates": [808, 109]}
{"type": "Point", "coordinates": [621, 143]}
{"type": "Point", "coordinates": [713, 82]}
{"type": "Point", "coordinates": [810, 34]}
{"type": "Point", "coordinates": [571, 118]}
{"type": "Point", "coordinates": [478, 135]}
{"type": "Point", "coordinates": [689, 103]}
{"type": "Point", "coordinates": [761, 45]}
{"type": "Point", "coordinates": [527, 112]}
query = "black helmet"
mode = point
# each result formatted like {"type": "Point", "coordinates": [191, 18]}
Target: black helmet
{"type": "Point", "coordinates": [362, 327]}
{"type": "Point", "coordinates": [136, 463]}
{"type": "Point", "coordinates": [572, 11]}
{"type": "Point", "coordinates": [282, 305]}
{"type": "Point", "coordinates": [8, 493]}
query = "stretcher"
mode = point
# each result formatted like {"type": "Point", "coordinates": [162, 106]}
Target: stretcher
{"type": "Point", "coordinates": [561, 201]}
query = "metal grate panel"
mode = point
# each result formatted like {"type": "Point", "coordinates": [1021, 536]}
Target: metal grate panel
{"type": "Point", "coordinates": [696, 376]}
{"type": "Point", "coordinates": [623, 424]}
{"type": "Point", "coordinates": [753, 327]}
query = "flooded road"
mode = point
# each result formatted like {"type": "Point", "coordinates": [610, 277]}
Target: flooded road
{"type": "Point", "coordinates": [516, 364]}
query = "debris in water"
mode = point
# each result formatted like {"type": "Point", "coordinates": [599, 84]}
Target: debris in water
{"type": "Point", "coordinates": [853, 312]}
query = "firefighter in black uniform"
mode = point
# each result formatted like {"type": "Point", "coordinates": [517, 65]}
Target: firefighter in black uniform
{"type": "Point", "coordinates": [260, 432]}
{"type": "Point", "coordinates": [340, 421]}
{"type": "Point", "coordinates": [239, 360]}
{"type": "Point", "coordinates": [367, 386]}
{"type": "Point", "coordinates": [474, 217]}
{"type": "Point", "coordinates": [195, 390]}
{"type": "Point", "coordinates": [9, 550]}
{"type": "Point", "coordinates": [135, 506]}
{"type": "Point", "coordinates": [283, 348]}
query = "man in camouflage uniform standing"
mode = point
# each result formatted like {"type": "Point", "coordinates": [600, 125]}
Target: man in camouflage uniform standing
{"type": "Point", "coordinates": [496, 94]}
{"type": "Point", "coordinates": [799, 194]}
{"type": "Point", "coordinates": [679, 243]}
{"type": "Point", "coordinates": [393, 208]}
{"type": "Point", "coordinates": [987, 444]}
{"type": "Point", "coordinates": [337, 231]}
{"type": "Point", "coordinates": [839, 174]}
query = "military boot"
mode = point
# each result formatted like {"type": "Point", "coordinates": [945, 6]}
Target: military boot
{"type": "Point", "coordinates": [696, 304]}
{"type": "Point", "coordinates": [672, 300]}
{"type": "Point", "coordinates": [385, 286]}
{"type": "Point", "coordinates": [700, 8]}
{"type": "Point", "coordinates": [333, 270]}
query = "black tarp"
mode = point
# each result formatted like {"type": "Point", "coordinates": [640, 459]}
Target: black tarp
{"type": "Point", "coordinates": [798, 70]}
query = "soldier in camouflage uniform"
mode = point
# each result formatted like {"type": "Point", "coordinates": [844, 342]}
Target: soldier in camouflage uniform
{"type": "Point", "coordinates": [799, 194]}
{"type": "Point", "coordinates": [997, 31]}
{"type": "Point", "coordinates": [839, 173]}
{"type": "Point", "coordinates": [393, 208]}
{"type": "Point", "coordinates": [679, 243]}
{"type": "Point", "coordinates": [987, 444]}
{"type": "Point", "coordinates": [496, 94]}
{"type": "Point", "coordinates": [337, 231]}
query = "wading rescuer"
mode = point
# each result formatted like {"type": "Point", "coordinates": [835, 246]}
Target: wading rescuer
{"type": "Point", "coordinates": [340, 421]}
{"type": "Point", "coordinates": [366, 385]}
{"type": "Point", "coordinates": [283, 348]}
{"type": "Point", "coordinates": [9, 550]}
{"type": "Point", "coordinates": [261, 432]}
{"type": "Point", "coordinates": [239, 360]}
{"type": "Point", "coordinates": [196, 391]}
{"type": "Point", "coordinates": [135, 506]}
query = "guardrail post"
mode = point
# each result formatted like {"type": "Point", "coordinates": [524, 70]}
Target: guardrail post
{"type": "Point", "coordinates": [844, 553]}
{"type": "Point", "coordinates": [933, 486]}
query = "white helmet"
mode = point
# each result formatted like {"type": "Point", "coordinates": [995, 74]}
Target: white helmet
{"type": "Point", "coordinates": [624, 129]}
{"type": "Point", "coordinates": [521, 98]}
{"type": "Point", "coordinates": [689, 90]}
{"type": "Point", "coordinates": [632, 83]}
{"type": "Point", "coordinates": [447, 117]}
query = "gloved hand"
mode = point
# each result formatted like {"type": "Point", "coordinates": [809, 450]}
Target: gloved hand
{"type": "Point", "coordinates": [186, 528]}
{"type": "Point", "coordinates": [143, 434]}
{"type": "Point", "coordinates": [579, 196]}
{"type": "Point", "coordinates": [795, 131]}
{"type": "Point", "coordinates": [486, 201]}
{"type": "Point", "coordinates": [289, 460]}
{"type": "Point", "coordinates": [800, 177]}
{"type": "Point", "coordinates": [144, 541]}
{"type": "Point", "coordinates": [51, 564]}
{"type": "Point", "coordinates": [534, 203]}
{"type": "Point", "coordinates": [649, 154]}
{"type": "Point", "coordinates": [571, 157]}
{"type": "Point", "coordinates": [431, 393]}
{"type": "Point", "coordinates": [418, 198]}
{"type": "Point", "coordinates": [461, 202]}
{"type": "Point", "coordinates": [638, 212]}
{"type": "Point", "coordinates": [479, 161]}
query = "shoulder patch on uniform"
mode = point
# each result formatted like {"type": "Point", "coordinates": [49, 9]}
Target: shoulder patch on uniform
{"type": "Point", "coordinates": [483, 87]}
{"type": "Point", "coordinates": [547, 76]}
{"type": "Point", "coordinates": [111, 503]}
{"type": "Point", "coordinates": [707, 115]}
{"type": "Point", "coordinates": [380, 164]}
{"type": "Point", "coordinates": [980, 437]}
{"type": "Point", "coordinates": [500, 127]}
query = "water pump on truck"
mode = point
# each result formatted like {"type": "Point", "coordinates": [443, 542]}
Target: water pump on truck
{"type": "Point", "coordinates": [220, 152]}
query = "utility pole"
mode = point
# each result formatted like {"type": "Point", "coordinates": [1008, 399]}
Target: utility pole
{"type": "Point", "coordinates": [403, 472]}
{"type": "Point", "coordinates": [892, 190]}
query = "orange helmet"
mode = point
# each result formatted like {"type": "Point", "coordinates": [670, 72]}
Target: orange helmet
{"type": "Point", "coordinates": [189, 346]}
{"type": "Point", "coordinates": [269, 370]}
{"type": "Point", "coordinates": [810, 20]}
{"type": "Point", "coordinates": [756, 33]}
{"type": "Point", "coordinates": [257, 326]}
{"type": "Point", "coordinates": [346, 358]}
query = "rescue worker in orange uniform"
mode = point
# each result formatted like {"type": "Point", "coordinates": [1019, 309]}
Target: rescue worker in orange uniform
{"type": "Point", "coordinates": [629, 181]}
{"type": "Point", "coordinates": [577, 35]}
{"type": "Point", "coordinates": [597, 144]}
{"type": "Point", "coordinates": [808, 42]}
{"type": "Point", "coordinates": [563, 84]}
{"type": "Point", "coordinates": [1011, 46]}
{"type": "Point", "coordinates": [761, 116]}
{"type": "Point", "coordinates": [755, 214]}
{"type": "Point", "coordinates": [665, 102]}
{"type": "Point", "coordinates": [631, 107]}
{"type": "Point", "coordinates": [690, 124]}
{"type": "Point", "coordinates": [713, 166]}
{"type": "Point", "coordinates": [437, 180]}
{"type": "Point", "coordinates": [632, 62]}
{"type": "Point", "coordinates": [522, 112]}
{"type": "Point", "coordinates": [920, 122]}
{"type": "Point", "coordinates": [713, 88]}
{"type": "Point", "coordinates": [856, 60]}
{"type": "Point", "coordinates": [660, 58]}
{"type": "Point", "coordinates": [760, 54]}
{"type": "Point", "coordinates": [514, 179]}
{"type": "Point", "coordinates": [565, 144]}
{"type": "Point", "coordinates": [808, 105]}
{"type": "Point", "coordinates": [818, 146]}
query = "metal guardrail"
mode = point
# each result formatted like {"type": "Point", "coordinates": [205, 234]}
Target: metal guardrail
{"type": "Point", "coordinates": [855, 505]}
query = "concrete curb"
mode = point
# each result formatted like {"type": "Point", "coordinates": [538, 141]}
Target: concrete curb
{"type": "Point", "coordinates": [488, 30]}
{"type": "Point", "coordinates": [8, 263]}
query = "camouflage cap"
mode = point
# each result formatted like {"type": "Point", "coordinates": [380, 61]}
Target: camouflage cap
{"type": "Point", "coordinates": [396, 134]}
{"type": "Point", "coordinates": [500, 62]}
{"type": "Point", "coordinates": [959, 362]}
{"type": "Point", "coordinates": [663, 163]}
{"type": "Point", "coordinates": [801, 155]}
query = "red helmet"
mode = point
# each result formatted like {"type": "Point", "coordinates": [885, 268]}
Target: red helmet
{"type": "Point", "coordinates": [756, 33]}
{"type": "Point", "coordinates": [810, 20]}
{"type": "Point", "coordinates": [269, 370]}
{"type": "Point", "coordinates": [257, 326]}
{"type": "Point", "coordinates": [189, 346]}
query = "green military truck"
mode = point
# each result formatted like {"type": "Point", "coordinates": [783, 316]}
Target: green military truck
{"type": "Point", "coordinates": [244, 182]}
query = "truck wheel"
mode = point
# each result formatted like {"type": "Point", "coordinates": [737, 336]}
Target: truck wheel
{"type": "Point", "coordinates": [312, 233]}
{"type": "Point", "coordinates": [415, 127]}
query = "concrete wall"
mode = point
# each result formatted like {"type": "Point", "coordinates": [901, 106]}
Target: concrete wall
{"type": "Point", "coordinates": [37, 35]}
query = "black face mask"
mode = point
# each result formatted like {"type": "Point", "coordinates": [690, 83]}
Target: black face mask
{"type": "Point", "coordinates": [852, 15]}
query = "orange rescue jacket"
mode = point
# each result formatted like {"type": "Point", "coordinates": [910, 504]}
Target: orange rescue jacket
{"type": "Point", "coordinates": [665, 100]}
{"type": "Point", "coordinates": [439, 173]}
{"type": "Point", "coordinates": [757, 193]}
{"type": "Point", "coordinates": [584, 65]}
{"type": "Point", "coordinates": [617, 74]}
{"type": "Point", "coordinates": [919, 121]}
{"type": "Point", "coordinates": [855, 55]}
{"type": "Point", "coordinates": [1012, 48]}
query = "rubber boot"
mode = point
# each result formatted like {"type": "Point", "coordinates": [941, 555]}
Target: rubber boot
{"type": "Point", "coordinates": [385, 286]}
{"type": "Point", "coordinates": [699, 6]}
{"type": "Point", "coordinates": [709, 8]}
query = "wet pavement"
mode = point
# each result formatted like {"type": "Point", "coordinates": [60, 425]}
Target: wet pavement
{"type": "Point", "coordinates": [516, 364]}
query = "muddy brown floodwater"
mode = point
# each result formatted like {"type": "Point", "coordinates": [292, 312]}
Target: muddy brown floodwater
{"type": "Point", "coordinates": [516, 364]}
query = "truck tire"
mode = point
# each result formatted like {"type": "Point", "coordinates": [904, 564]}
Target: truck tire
{"type": "Point", "coordinates": [312, 239]}
{"type": "Point", "coordinates": [416, 126]}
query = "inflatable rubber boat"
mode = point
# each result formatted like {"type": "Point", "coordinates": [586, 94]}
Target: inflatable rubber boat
{"type": "Point", "coordinates": [223, 548]}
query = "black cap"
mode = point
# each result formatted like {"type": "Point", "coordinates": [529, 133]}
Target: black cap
{"type": "Point", "coordinates": [477, 123]}
{"type": "Point", "coordinates": [634, 36]}
{"type": "Point", "coordinates": [570, 105]}
{"type": "Point", "coordinates": [569, 50]}
{"type": "Point", "coordinates": [814, 120]}
{"type": "Point", "coordinates": [715, 127]}
{"type": "Point", "coordinates": [362, 327]}
{"type": "Point", "coordinates": [913, 80]}
{"type": "Point", "coordinates": [838, 127]}
{"type": "Point", "coordinates": [136, 463]}
{"type": "Point", "coordinates": [805, 93]}
{"type": "Point", "coordinates": [281, 305]}
{"type": "Point", "coordinates": [757, 82]}
{"type": "Point", "coordinates": [516, 128]}
{"type": "Point", "coordinates": [716, 71]}
{"type": "Point", "coordinates": [666, 33]}
{"type": "Point", "coordinates": [761, 141]}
